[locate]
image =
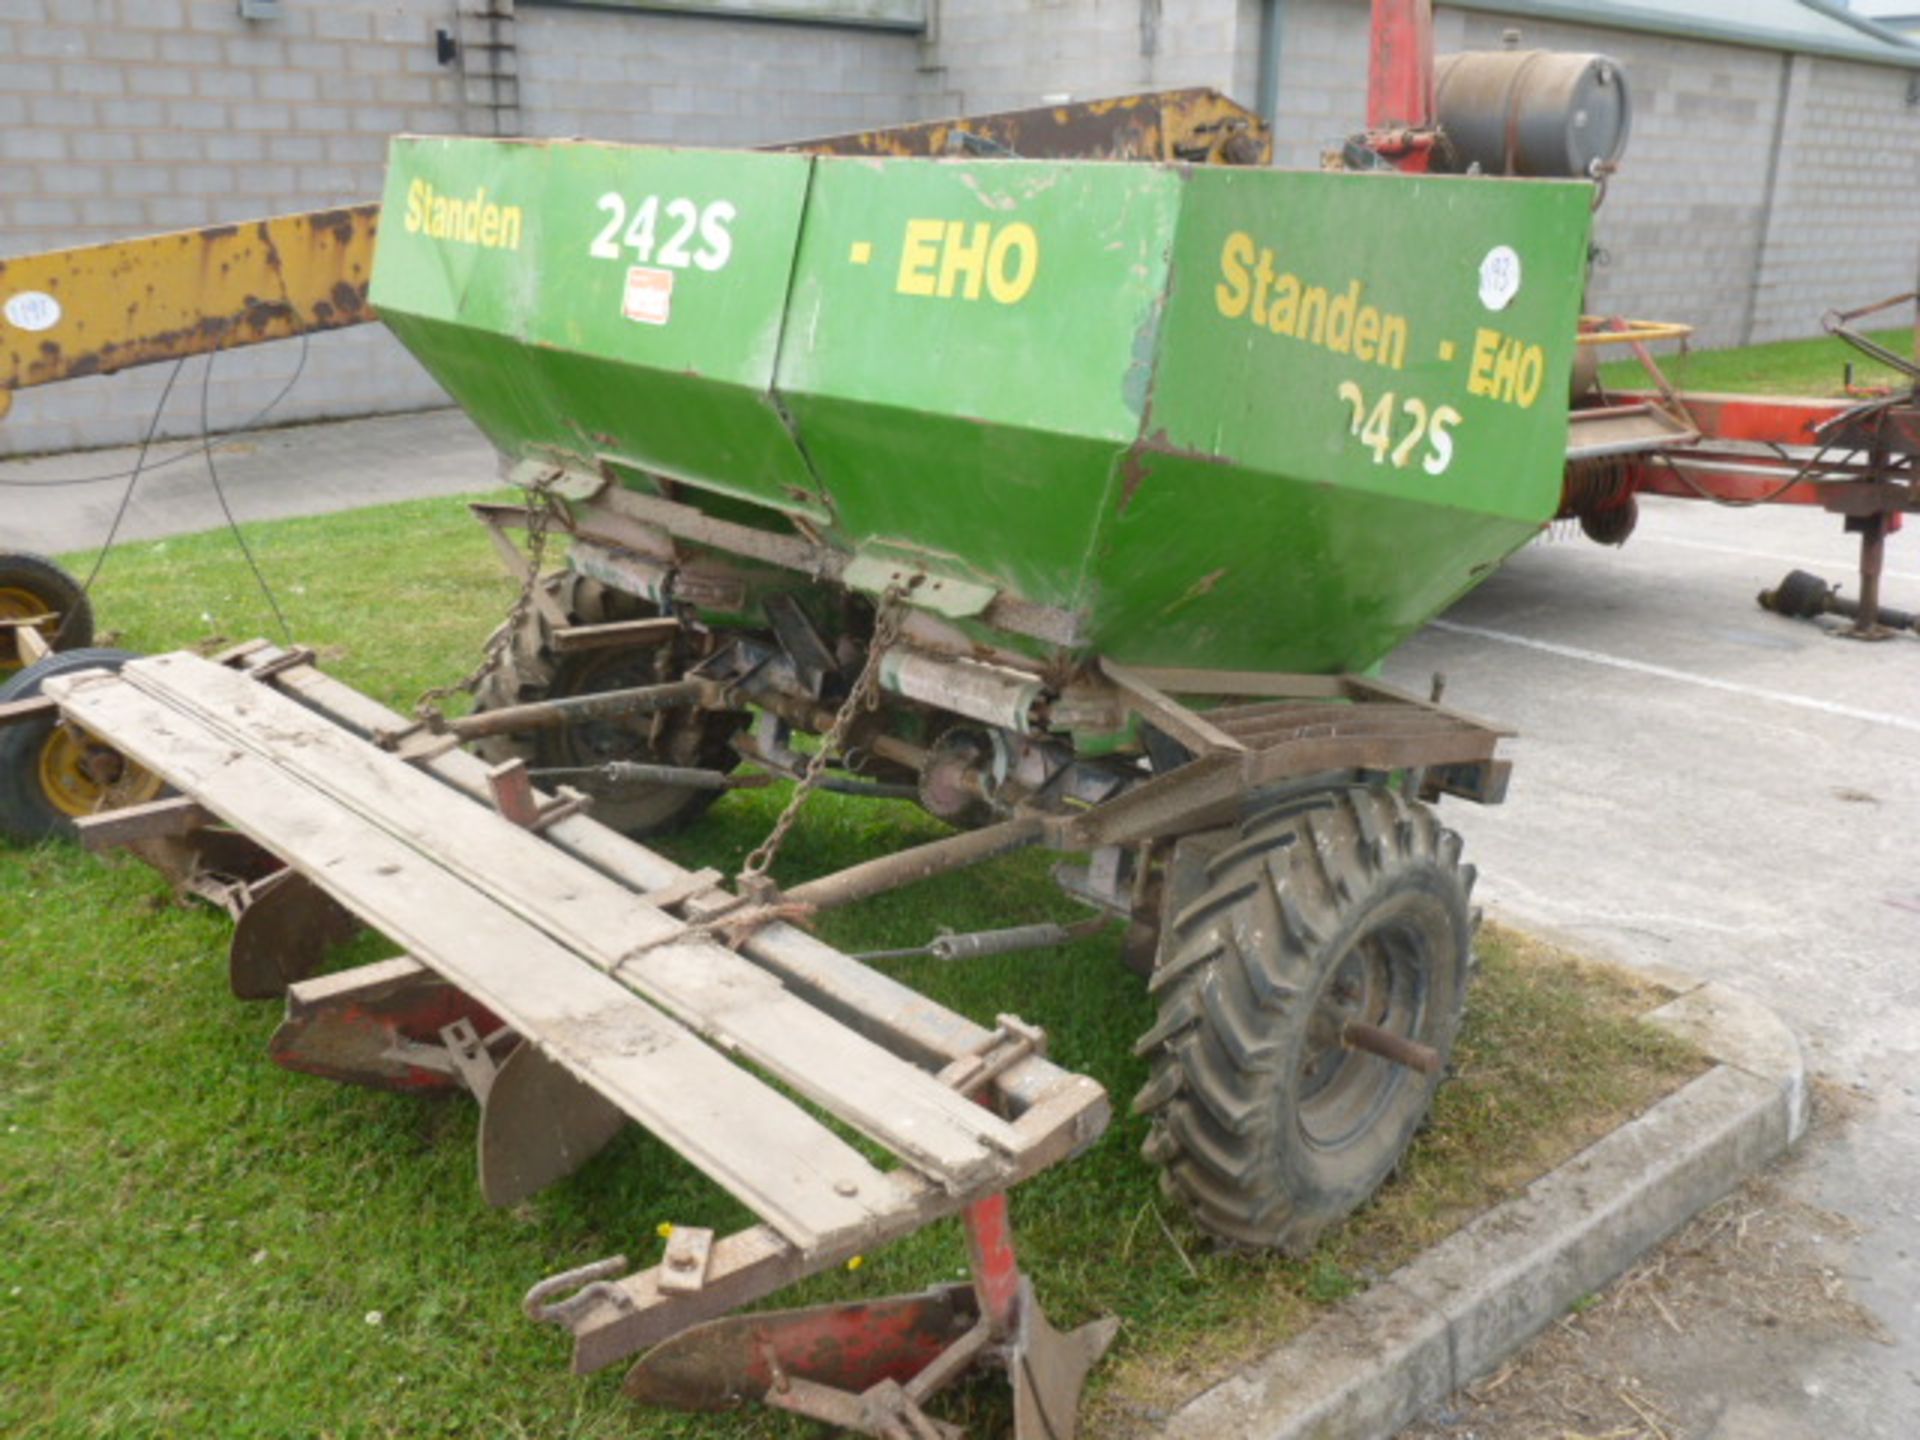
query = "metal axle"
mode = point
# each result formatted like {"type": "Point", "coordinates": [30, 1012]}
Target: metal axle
{"type": "Point", "coordinates": [608, 705]}
{"type": "Point", "coordinates": [956, 852]}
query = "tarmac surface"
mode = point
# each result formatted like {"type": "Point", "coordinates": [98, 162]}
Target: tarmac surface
{"type": "Point", "coordinates": [1704, 786]}
{"type": "Point", "coordinates": [1699, 785]}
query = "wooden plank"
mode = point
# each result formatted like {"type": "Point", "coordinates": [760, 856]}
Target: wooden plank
{"type": "Point", "coordinates": [31, 644]}
{"type": "Point", "coordinates": [806, 1182]}
{"type": "Point", "coordinates": [683, 1268]}
{"type": "Point", "coordinates": [721, 996]}
{"type": "Point", "coordinates": [22, 712]}
{"type": "Point", "coordinates": [156, 820]}
{"type": "Point", "coordinates": [361, 980]}
{"type": "Point", "coordinates": [857, 994]}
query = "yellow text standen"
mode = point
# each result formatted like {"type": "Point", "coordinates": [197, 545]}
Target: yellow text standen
{"type": "Point", "coordinates": [472, 221]}
{"type": "Point", "coordinates": [1278, 302]}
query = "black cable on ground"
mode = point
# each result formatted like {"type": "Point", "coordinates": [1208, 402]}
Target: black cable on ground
{"type": "Point", "coordinates": [126, 499]}
{"type": "Point", "coordinates": [219, 491]}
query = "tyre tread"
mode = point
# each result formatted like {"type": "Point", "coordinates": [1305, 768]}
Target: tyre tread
{"type": "Point", "coordinates": [1239, 961]}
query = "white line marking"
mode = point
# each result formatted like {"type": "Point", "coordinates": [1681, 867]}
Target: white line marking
{"type": "Point", "coordinates": [1684, 677]}
{"type": "Point", "coordinates": [1797, 561]}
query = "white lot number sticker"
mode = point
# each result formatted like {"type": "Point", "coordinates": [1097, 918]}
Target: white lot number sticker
{"type": "Point", "coordinates": [32, 310]}
{"type": "Point", "coordinates": [1499, 277]}
{"type": "Point", "coordinates": [649, 297]}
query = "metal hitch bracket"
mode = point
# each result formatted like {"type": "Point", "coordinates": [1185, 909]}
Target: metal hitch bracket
{"type": "Point", "coordinates": [870, 1366]}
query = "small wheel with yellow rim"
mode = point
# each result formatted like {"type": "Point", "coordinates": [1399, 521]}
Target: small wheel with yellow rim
{"type": "Point", "coordinates": [34, 589]}
{"type": "Point", "coordinates": [52, 772]}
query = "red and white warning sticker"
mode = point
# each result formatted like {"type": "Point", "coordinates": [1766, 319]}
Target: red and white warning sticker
{"type": "Point", "coordinates": [649, 295]}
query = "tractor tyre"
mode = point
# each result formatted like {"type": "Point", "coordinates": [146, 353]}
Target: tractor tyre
{"type": "Point", "coordinates": [529, 670]}
{"type": "Point", "coordinates": [52, 773]}
{"type": "Point", "coordinates": [34, 585]}
{"type": "Point", "coordinates": [1346, 905]}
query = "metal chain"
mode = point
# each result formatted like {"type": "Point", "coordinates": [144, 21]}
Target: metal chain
{"type": "Point", "coordinates": [865, 693]}
{"type": "Point", "coordinates": [543, 510]}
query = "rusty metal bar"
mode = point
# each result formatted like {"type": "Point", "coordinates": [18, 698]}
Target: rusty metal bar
{"type": "Point", "coordinates": [1358, 1035]}
{"type": "Point", "coordinates": [1197, 124]}
{"type": "Point", "coordinates": [633, 772]}
{"type": "Point", "coordinates": [1873, 555]}
{"type": "Point", "coordinates": [25, 712]}
{"type": "Point", "coordinates": [922, 862]}
{"type": "Point", "coordinates": [608, 705]}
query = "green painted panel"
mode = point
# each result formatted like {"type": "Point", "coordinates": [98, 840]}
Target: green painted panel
{"type": "Point", "coordinates": [1360, 406]}
{"type": "Point", "coordinates": [968, 353]}
{"type": "Point", "coordinates": [603, 300]}
{"type": "Point", "coordinates": [1302, 302]}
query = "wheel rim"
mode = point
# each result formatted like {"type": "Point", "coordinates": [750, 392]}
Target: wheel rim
{"type": "Point", "coordinates": [597, 742]}
{"type": "Point", "coordinates": [80, 776]}
{"type": "Point", "coordinates": [1382, 978]}
{"type": "Point", "coordinates": [667, 737]}
{"type": "Point", "coordinates": [18, 604]}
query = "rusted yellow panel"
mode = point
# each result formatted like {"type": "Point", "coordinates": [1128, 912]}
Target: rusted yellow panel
{"type": "Point", "coordinates": [1199, 125]}
{"type": "Point", "coordinates": [101, 308]}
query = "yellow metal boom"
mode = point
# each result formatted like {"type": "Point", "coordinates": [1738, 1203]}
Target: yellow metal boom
{"type": "Point", "coordinates": [96, 309]}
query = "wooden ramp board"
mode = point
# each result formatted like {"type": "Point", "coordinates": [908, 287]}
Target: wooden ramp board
{"type": "Point", "coordinates": [730, 1001]}
{"type": "Point", "coordinates": [867, 999]}
{"type": "Point", "coordinates": [807, 1183]}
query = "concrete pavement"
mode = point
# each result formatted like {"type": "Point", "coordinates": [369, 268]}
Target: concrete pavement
{"type": "Point", "coordinates": [1707, 787]}
{"type": "Point", "coordinates": [269, 475]}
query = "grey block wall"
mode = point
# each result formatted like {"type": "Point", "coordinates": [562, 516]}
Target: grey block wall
{"type": "Point", "coordinates": [1323, 80]}
{"type": "Point", "coordinates": [1846, 209]}
{"type": "Point", "coordinates": [1010, 54]}
{"type": "Point", "coordinates": [128, 117]}
{"type": "Point", "coordinates": [125, 117]}
{"type": "Point", "coordinates": [627, 76]}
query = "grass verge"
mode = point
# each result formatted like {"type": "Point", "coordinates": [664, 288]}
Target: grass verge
{"type": "Point", "coordinates": [1815, 367]}
{"type": "Point", "coordinates": [193, 1242]}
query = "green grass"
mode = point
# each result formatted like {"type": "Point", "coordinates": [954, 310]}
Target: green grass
{"type": "Point", "coordinates": [1786, 367]}
{"type": "Point", "coordinates": [193, 1242]}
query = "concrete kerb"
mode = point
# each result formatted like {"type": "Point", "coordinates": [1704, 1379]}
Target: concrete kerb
{"type": "Point", "coordinates": [1457, 1310]}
